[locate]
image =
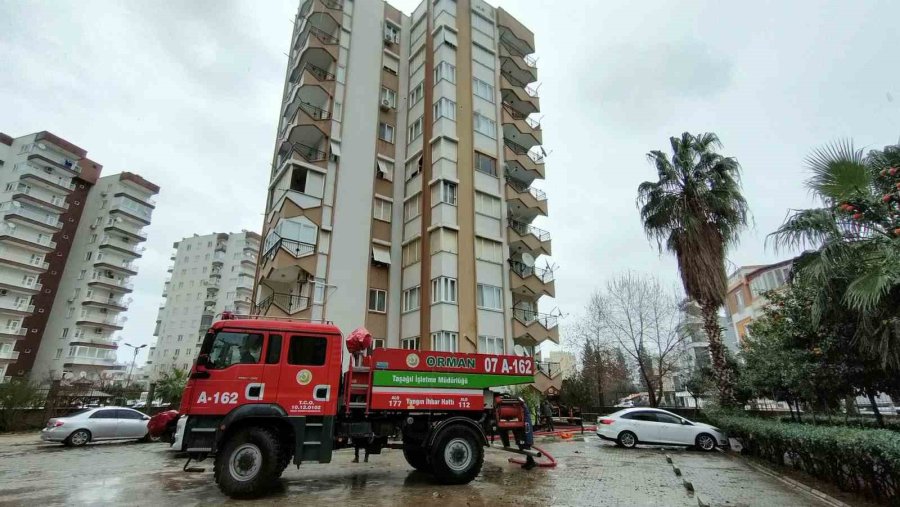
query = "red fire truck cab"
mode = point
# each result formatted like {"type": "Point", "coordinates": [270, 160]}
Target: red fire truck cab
{"type": "Point", "coordinates": [264, 393]}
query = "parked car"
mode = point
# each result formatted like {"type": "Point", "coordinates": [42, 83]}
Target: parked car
{"type": "Point", "coordinates": [634, 426]}
{"type": "Point", "coordinates": [96, 424]}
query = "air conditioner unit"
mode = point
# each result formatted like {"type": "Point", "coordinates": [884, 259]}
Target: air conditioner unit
{"type": "Point", "coordinates": [385, 104]}
{"type": "Point", "coordinates": [389, 38]}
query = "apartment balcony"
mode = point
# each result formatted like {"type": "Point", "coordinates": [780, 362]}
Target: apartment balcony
{"type": "Point", "coordinates": [548, 376]}
{"type": "Point", "coordinates": [107, 363]}
{"type": "Point", "coordinates": [535, 326]}
{"type": "Point", "coordinates": [218, 259]}
{"type": "Point", "coordinates": [111, 284]}
{"type": "Point", "coordinates": [522, 164]}
{"type": "Point", "coordinates": [135, 213]}
{"type": "Point", "coordinates": [213, 283]}
{"type": "Point", "coordinates": [215, 274]}
{"type": "Point", "coordinates": [319, 30]}
{"type": "Point", "coordinates": [8, 356]}
{"type": "Point", "coordinates": [95, 342]}
{"type": "Point", "coordinates": [12, 235]}
{"type": "Point", "coordinates": [524, 203]}
{"type": "Point", "coordinates": [524, 237]}
{"type": "Point", "coordinates": [99, 321]}
{"type": "Point", "coordinates": [280, 304]}
{"type": "Point", "coordinates": [122, 248]}
{"type": "Point", "coordinates": [520, 128]}
{"type": "Point", "coordinates": [7, 378]}
{"type": "Point", "coordinates": [13, 334]}
{"type": "Point", "coordinates": [287, 259]}
{"type": "Point", "coordinates": [521, 97]}
{"type": "Point", "coordinates": [57, 161]}
{"type": "Point", "coordinates": [125, 268]}
{"type": "Point", "coordinates": [116, 304]}
{"type": "Point", "coordinates": [16, 309]}
{"type": "Point", "coordinates": [16, 213]}
{"type": "Point", "coordinates": [19, 286]}
{"type": "Point", "coordinates": [11, 260]}
{"type": "Point", "coordinates": [134, 234]}
{"type": "Point", "coordinates": [49, 203]}
{"type": "Point", "coordinates": [46, 177]}
{"type": "Point", "coordinates": [518, 66]}
{"type": "Point", "coordinates": [530, 281]}
{"type": "Point", "coordinates": [514, 33]}
{"type": "Point", "coordinates": [137, 197]}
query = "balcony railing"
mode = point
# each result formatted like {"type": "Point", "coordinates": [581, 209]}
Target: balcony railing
{"type": "Point", "coordinates": [323, 36]}
{"type": "Point", "coordinates": [135, 249]}
{"type": "Point", "coordinates": [17, 307]}
{"type": "Point", "coordinates": [308, 153]}
{"type": "Point", "coordinates": [112, 281]}
{"type": "Point", "coordinates": [262, 307]}
{"type": "Point", "coordinates": [291, 303]}
{"type": "Point", "coordinates": [536, 125]}
{"type": "Point", "coordinates": [320, 73]}
{"type": "Point", "coordinates": [524, 271]}
{"type": "Point", "coordinates": [92, 318]}
{"type": "Point", "coordinates": [528, 316]}
{"type": "Point", "coordinates": [296, 248]}
{"type": "Point", "coordinates": [529, 60]}
{"type": "Point", "coordinates": [10, 354]}
{"type": "Point", "coordinates": [93, 361]}
{"type": "Point", "coordinates": [21, 331]}
{"type": "Point", "coordinates": [120, 302]}
{"type": "Point", "coordinates": [522, 229]}
{"type": "Point", "coordinates": [518, 149]}
{"type": "Point", "coordinates": [6, 230]}
{"type": "Point", "coordinates": [54, 201]}
{"type": "Point", "coordinates": [61, 181]}
{"type": "Point", "coordinates": [11, 207]}
{"type": "Point", "coordinates": [522, 188]}
{"type": "Point", "coordinates": [547, 368]}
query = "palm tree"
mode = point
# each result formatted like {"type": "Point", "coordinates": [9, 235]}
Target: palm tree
{"type": "Point", "coordinates": [855, 237]}
{"type": "Point", "coordinates": [697, 211]}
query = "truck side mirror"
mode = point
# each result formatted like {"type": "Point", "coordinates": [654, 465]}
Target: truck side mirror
{"type": "Point", "coordinates": [203, 360]}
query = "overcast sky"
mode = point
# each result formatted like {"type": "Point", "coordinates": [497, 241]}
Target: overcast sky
{"type": "Point", "coordinates": [187, 94]}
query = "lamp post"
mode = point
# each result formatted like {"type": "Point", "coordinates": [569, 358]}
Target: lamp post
{"type": "Point", "coordinates": [133, 359]}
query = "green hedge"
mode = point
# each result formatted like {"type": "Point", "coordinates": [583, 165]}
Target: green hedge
{"type": "Point", "coordinates": [852, 422]}
{"type": "Point", "coordinates": [859, 460]}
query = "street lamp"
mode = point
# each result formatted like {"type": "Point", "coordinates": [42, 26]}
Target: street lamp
{"type": "Point", "coordinates": [133, 359]}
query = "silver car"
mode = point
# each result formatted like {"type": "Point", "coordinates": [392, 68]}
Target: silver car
{"type": "Point", "coordinates": [96, 424]}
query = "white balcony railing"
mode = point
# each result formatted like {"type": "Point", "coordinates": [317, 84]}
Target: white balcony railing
{"type": "Point", "coordinates": [112, 281]}
{"type": "Point", "coordinates": [14, 232]}
{"type": "Point", "coordinates": [94, 318]}
{"type": "Point", "coordinates": [55, 200]}
{"type": "Point", "coordinates": [91, 361]}
{"type": "Point", "coordinates": [9, 354]}
{"type": "Point", "coordinates": [17, 307]}
{"type": "Point", "coordinates": [135, 249]}
{"type": "Point", "coordinates": [28, 168]}
{"type": "Point", "coordinates": [44, 218]}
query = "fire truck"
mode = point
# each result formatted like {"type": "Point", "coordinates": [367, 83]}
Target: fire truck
{"type": "Point", "coordinates": [264, 393]}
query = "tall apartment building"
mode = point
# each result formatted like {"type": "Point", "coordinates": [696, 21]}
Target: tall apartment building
{"type": "Point", "coordinates": [209, 274]}
{"type": "Point", "coordinates": [79, 339]}
{"type": "Point", "coordinates": [401, 194]}
{"type": "Point", "coordinates": [746, 285]}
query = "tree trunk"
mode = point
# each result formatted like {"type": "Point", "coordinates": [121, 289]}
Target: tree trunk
{"type": "Point", "coordinates": [651, 392]}
{"type": "Point", "coordinates": [724, 379]}
{"type": "Point", "coordinates": [878, 418]}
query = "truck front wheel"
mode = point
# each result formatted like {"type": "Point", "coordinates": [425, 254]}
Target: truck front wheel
{"type": "Point", "coordinates": [248, 463]}
{"type": "Point", "coordinates": [456, 456]}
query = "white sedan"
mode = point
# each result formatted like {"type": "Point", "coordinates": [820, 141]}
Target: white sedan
{"type": "Point", "coordinates": [634, 426]}
{"type": "Point", "coordinates": [94, 424]}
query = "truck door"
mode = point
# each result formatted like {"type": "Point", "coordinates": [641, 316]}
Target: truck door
{"type": "Point", "coordinates": [309, 375]}
{"type": "Point", "coordinates": [235, 373]}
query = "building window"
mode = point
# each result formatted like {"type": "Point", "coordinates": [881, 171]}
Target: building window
{"type": "Point", "coordinates": [412, 252]}
{"type": "Point", "coordinates": [490, 345]}
{"type": "Point", "coordinates": [377, 300]}
{"type": "Point", "coordinates": [391, 33]}
{"type": "Point", "coordinates": [65, 332]}
{"type": "Point", "coordinates": [410, 343]}
{"type": "Point", "coordinates": [386, 132]}
{"type": "Point", "coordinates": [391, 64]}
{"type": "Point", "coordinates": [445, 108]}
{"type": "Point", "coordinates": [413, 167]}
{"type": "Point", "coordinates": [411, 299]}
{"type": "Point", "coordinates": [378, 343]}
{"type": "Point", "coordinates": [483, 25]}
{"type": "Point", "coordinates": [485, 125]}
{"type": "Point", "coordinates": [384, 169]}
{"type": "Point", "coordinates": [445, 341]}
{"type": "Point", "coordinates": [88, 256]}
{"type": "Point", "coordinates": [388, 97]}
{"type": "Point", "coordinates": [487, 204]}
{"type": "Point", "coordinates": [444, 240]}
{"type": "Point", "coordinates": [382, 210]}
{"type": "Point", "coordinates": [483, 90]}
{"type": "Point", "coordinates": [444, 70]}
{"type": "Point", "coordinates": [412, 207]}
{"type": "Point", "coordinates": [489, 297]}
{"type": "Point", "coordinates": [59, 353]}
{"type": "Point", "coordinates": [443, 290]}
{"type": "Point", "coordinates": [739, 300]}
{"type": "Point", "coordinates": [415, 130]}
{"type": "Point", "coordinates": [488, 250]}
{"type": "Point", "coordinates": [416, 94]}
{"type": "Point", "coordinates": [444, 191]}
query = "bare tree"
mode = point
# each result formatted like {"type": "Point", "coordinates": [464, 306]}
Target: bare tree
{"type": "Point", "coordinates": [640, 317]}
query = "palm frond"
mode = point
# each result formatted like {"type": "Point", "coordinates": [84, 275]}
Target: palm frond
{"type": "Point", "coordinates": [808, 228]}
{"type": "Point", "coordinates": [839, 171]}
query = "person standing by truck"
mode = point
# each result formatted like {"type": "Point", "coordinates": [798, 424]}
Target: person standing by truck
{"type": "Point", "coordinates": [547, 413]}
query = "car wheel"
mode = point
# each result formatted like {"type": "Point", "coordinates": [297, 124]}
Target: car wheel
{"type": "Point", "coordinates": [148, 438]}
{"type": "Point", "coordinates": [627, 439]}
{"type": "Point", "coordinates": [78, 438]}
{"type": "Point", "coordinates": [706, 442]}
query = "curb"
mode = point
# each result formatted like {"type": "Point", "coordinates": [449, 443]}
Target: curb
{"type": "Point", "coordinates": [828, 499]}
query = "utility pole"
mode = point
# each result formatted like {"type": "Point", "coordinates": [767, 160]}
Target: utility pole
{"type": "Point", "coordinates": [133, 359]}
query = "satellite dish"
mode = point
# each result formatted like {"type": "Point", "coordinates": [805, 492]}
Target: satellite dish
{"type": "Point", "coordinates": [519, 350]}
{"type": "Point", "coordinates": [528, 259]}
{"type": "Point", "coordinates": [42, 146]}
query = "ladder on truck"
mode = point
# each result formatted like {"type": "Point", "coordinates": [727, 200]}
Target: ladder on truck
{"type": "Point", "coordinates": [358, 380]}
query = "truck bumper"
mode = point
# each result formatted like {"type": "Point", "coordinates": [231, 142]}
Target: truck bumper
{"type": "Point", "coordinates": [178, 444]}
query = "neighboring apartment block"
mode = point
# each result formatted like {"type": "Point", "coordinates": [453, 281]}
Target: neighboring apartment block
{"type": "Point", "coordinates": [401, 194]}
{"type": "Point", "coordinates": [48, 187]}
{"type": "Point", "coordinates": [209, 274]}
{"type": "Point", "coordinates": [746, 286]}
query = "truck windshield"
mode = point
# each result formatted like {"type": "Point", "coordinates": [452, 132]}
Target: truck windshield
{"type": "Point", "coordinates": [226, 348]}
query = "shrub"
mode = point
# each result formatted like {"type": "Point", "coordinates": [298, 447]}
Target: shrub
{"type": "Point", "coordinates": [16, 397]}
{"type": "Point", "coordinates": [860, 460]}
{"type": "Point", "coordinates": [851, 422]}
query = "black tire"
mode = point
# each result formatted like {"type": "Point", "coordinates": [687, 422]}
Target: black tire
{"type": "Point", "coordinates": [627, 440]}
{"type": "Point", "coordinates": [456, 456]}
{"type": "Point", "coordinates": [248, 463]}
{"type": "Point", "coordinates": [78, 438]}
{"type": "Point", "coordinates": [706, 442]}
{"type": "Point", "coordinates": [283, 461]}
{"type": "Point", "coordinates": [148, 439]}
{"type": "Point", "coordinates": [417, 457]}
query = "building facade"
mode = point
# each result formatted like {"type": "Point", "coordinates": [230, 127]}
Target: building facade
{"type": "Point", "coordinates": [401, 194]}
{"type": "Point", "coordinates": [79, 338]}
{"type": "Point", "coordinates": [746, 286]}
{"type": "Point", "coordinates": [210, 274]}
{"type": "Point", "coordinates": [45, 182]}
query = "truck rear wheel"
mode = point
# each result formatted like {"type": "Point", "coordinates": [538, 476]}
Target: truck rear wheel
{"type": "Point", "coordinates": [248, 463]}
{"type": "Point", "coordinates": [416, 456]}
{"type": "Point", "coordinates": [456, 456]}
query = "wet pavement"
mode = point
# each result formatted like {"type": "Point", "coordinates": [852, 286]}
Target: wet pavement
{"type": "Point", "coordinates": [590, 472]}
